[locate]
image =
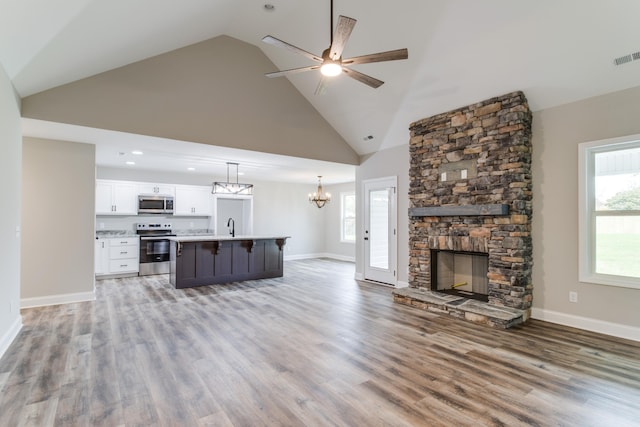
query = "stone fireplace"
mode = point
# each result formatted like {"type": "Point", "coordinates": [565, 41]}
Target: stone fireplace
{"type": "Point", "coordinates": [470, 212]}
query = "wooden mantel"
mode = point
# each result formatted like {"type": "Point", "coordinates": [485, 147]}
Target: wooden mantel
{"type": "Point", "coordinates": [460, 210]}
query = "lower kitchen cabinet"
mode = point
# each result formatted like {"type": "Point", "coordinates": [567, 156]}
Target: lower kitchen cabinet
{"type": "Point", "coordinates": [117, 255]}
{"type": "Point", "coordinates": [101, 255]}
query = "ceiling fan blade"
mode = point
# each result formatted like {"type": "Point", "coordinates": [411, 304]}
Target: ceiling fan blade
{"type": "Point", "coordinates": [292, 71]}
{"type": "Point", "coordinates": [321, 89]}
{"type": "Point", "coordinates": [363, 78]}
{"type": "Point", "coordinates": [341, 35]}
{"type": "Point", "coordinates": [390, 55]}
{"type": "Point", "coordinates": [277, 42]}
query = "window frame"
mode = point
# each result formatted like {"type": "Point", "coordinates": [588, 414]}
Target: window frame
{"type": "Point", "coordinates": [587, 212]}
{"type": "Point", "coordinates": [343, 195]}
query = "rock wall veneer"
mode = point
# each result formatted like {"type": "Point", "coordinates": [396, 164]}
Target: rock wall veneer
{"type": "Point", "coordinates": [476, 155]}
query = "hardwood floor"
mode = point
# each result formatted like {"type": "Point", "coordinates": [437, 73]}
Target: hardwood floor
{"type": "Point", "coordinates": [312, 348]}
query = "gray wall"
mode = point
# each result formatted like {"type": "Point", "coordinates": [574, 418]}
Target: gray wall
{"type": "Point", "coordinates": [390, 162]}
{"type": "Point", "coordinates": [10, 176]}
{"type": "Point", "coordinates": [213, 92]}
{"type": "Point", "coordinates": [58, 214]}
{"type": "Point", "coordinates": [332, 217]}
{"type": "Point", "coordinates": [282, 208]}
{"type": "Point", "coordinates": [556, 135]}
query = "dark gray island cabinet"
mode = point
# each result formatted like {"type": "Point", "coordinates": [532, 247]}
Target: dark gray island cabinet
{"type": "Point", "coordinates": [207, 260]}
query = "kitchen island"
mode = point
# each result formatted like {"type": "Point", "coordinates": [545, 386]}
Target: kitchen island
{"type": "Point", "coordinates": [207, 259]}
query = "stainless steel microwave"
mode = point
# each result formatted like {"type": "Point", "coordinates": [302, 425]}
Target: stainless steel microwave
{"type": "Point", "coordinates": [155, 204]}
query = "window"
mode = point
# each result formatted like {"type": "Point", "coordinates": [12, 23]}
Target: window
{"type": "Point", "coordinates": [610, 212]}
{"type": "Point", "coordinates": [348, 217]}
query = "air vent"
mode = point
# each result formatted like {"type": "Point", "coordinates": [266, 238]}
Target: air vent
{"type": "Point", "coordinates": [627, 58]}
{"type": "Point", "coordinates": [622, 60]}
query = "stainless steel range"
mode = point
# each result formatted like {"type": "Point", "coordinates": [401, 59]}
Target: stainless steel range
{"type": "Point", "coordinates": [154, 247]}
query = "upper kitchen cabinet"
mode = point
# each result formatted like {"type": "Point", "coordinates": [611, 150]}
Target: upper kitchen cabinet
{"type": "Point", "coordinates": [192, 200]}
{"type": "Point", "coordinates": [160, 189]}
{"type": "Point", "coordinates": [115, 198]}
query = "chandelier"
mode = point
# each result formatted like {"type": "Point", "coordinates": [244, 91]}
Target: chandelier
{"type": "Point", "coordinates": [233, 188]}
{"type": "Point", "coordinates": [319, 197]}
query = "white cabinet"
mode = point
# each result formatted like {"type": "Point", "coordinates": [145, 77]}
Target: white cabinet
{"type": "Point", "coordinates": [150, 188]}
{"type": "Point", "coordinates": [101, 255]}
{"type": "Point", "coordinates": [115, 198]}
{"type": "Point", "coordinates": [117, 255]}
{"type": "Point", "coordinates": [192, 200]}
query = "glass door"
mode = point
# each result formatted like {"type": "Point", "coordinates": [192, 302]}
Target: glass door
{"type": "Point", "coordinates": [380, 243]}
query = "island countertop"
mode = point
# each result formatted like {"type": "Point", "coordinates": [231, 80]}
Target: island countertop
{"type": "Point", "coordinates": [223, 237]}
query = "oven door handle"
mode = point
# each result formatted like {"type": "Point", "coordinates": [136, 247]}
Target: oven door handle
{"type": "Point", "coordinates": [154, 238]}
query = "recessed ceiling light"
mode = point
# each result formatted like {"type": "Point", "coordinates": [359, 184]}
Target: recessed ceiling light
{"type": "Point", "coordinates": [131, 163]}
{"type": "Point", "coordinates": [240, 173]}
{"type": "Point", "coordinates": [191, 169]}
{"type": "Point", "coordinates": [137, 152]}
{"type": "Point", "coordinates": [269, 7]}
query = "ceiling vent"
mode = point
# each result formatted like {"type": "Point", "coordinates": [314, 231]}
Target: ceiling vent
{"type": "Point", "coordinates": [627, 58]}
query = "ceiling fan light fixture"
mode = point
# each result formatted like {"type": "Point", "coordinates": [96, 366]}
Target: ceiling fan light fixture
{"type": "Point", "coordinates": [330, 68]}
{"type": "Point", "coordinates": [331, 63]}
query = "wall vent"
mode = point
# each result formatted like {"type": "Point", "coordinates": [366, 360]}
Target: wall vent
{"type": "Point", "coordinates": [622, 60]}
{"type": "Point", "coordinates": [627, 58]}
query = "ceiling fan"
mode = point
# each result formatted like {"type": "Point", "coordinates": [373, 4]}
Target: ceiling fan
{"type": "Point", "coordinates": [331, 62]}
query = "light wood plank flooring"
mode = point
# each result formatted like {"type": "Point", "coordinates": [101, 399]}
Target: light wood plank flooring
{"type": "Point", "coordinates": [314, 348]}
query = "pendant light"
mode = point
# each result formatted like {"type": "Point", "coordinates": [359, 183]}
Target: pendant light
{"type": "Point", "coordinates": [234, 188]}
{"type": "Point", "coordinates": [319, 197]}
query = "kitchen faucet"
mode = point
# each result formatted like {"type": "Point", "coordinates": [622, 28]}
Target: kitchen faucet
{"type": "Point", "coordinates": [233, 227]}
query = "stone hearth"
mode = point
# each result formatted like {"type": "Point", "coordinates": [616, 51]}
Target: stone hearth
{"type": "Point", "coordinates": [470, 191]}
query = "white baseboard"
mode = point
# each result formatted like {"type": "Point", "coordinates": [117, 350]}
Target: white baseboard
{"type": "Point", "coordinates": [301, 256]}
{"type": "Point", "coordinates": [593, 325]}
{"type": "Point", "coordinates": [57, 299]}
{"type": "Point", "coordinates": [319, 255]}
{"type": "Point", "coordinates": [398, 284]}
{"type": "Point", "coordinates": [340, 257]}
{"type": "Point", "coordinates": [10, 335]}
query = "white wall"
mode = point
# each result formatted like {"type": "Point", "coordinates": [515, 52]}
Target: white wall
{"type": "Point", "coordinates": [10, 176]}
{"type": "Point", "coordinates": [58, 214]}
{"type": "Point", "coordinates": [556, 135]}
{"type": "Point", "coordinates": [332, 218]}
{"type": "Point", "coordinates": [390, 162]}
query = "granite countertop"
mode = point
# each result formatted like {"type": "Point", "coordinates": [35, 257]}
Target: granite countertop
{"type": "Point", "coordinates": [115, 233]}
{"type": "Point", "coordinates": [213, 237]}
{"type": "Point", "coordinates": [193, 232]}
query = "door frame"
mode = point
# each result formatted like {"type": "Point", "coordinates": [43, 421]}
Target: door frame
{"type": "Point", "coordinates": [391, 182]}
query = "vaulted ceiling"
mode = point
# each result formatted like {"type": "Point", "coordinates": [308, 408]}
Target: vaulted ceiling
{"type": "Point", "coordinates": [460, 51]}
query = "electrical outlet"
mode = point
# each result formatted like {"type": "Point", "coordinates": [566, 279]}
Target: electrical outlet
{"type": "Point", "coordinates": [573, 296]}
{"type": "Point", "coordinates": [10, 306]}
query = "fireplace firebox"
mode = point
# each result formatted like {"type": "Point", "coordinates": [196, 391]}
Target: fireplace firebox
{"type": "Point", "coordinates": [460, 273]}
